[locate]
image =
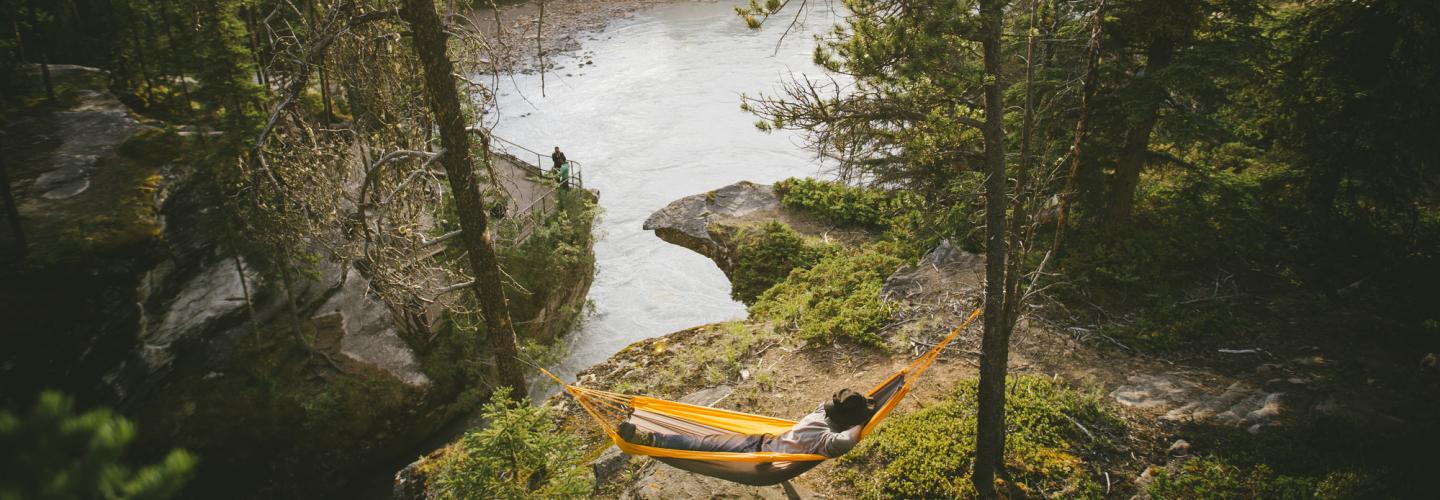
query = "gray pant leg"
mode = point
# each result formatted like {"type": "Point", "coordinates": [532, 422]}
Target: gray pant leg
{"type": "Point", "coordinates": [731, 443]}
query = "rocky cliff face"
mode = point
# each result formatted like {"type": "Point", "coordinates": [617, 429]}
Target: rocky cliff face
{"type": "Point", "coordinates": [130, 297]}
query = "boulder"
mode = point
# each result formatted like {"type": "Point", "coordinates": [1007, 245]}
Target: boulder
{"type": "Point", "coordinates": [1180, 397]}
{"type": "Point", "coordinates": [944, 265]}
{"type": "Point", "coordinates": [368, 332]}
{"type": "Point", "coordinates": [609, 465]}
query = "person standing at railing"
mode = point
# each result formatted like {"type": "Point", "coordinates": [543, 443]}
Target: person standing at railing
{"type": "Point", "coordinates": [557, 157]}
{"type": "Point", "coordinates": [562, 167]}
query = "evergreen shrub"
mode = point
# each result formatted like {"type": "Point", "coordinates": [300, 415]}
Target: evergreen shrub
{"type": "Point", "coordinates": [929, 453]}
{"type": "Point", "coordinates": [836, 299]}
{"type": "Point", "coordinates": [766, 254]}
{"type": "Point", "coordinates": [520, 453]}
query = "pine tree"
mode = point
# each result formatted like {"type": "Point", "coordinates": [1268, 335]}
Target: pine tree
{"type": "Point", "coordinates": [444, 99]}
{"type": "Point", "coordinates": [55, 453]}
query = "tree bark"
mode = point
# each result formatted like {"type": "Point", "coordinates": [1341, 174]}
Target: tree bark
{"type": "Point", "coordinates": [12, 212]}
{"type": "Point", "coordinates": [40, 41]}
{"type": "Point", "coordinates": [1121, 199]}
{"type": "Point", "coordinates": [1082, 124]}
{"type": "Point", "coordinates": [444, 100]}
{"type": "Point", "coordinates": [995, 346]}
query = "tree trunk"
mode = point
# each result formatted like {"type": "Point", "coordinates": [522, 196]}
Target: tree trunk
{"type": "Point", "coordinates": [39, 42]}
{"type": "Point", "coordinates": [444, 100]}
{"type": "Point", "coordinates": [1087, 92]}
{"type": "Point", "coordinates": [45, 75]}
{"type": "Point", "coordinates": [995, 346]}
{"type": "Point", "coordinates": [325, 94]}
{"type": "Point", "coordinates": [175, 51]}
{"type": "Point", "coordinates": [12, 211]}
{"type": "Point", "coordinates": [252, 32]}
{"type": "Point", "coordinates": [1121, 200]}
{"type": "Point", "coordinates": [1019, 213]}
{"type": "Point", "coordinates": [324, 77]}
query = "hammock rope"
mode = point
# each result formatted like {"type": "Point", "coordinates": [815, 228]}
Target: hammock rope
{"type": "Point", "coordinates": [763, 468]}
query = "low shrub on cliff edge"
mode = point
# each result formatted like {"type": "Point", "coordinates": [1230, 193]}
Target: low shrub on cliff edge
{"type": "Point", "coordinates": [836, 299]}
{"type": "Point", "coordinates": [766, 254]}
{"type": "Point", "coordinates": [928, 453]}
{"type": "Point", "coordinates": [841, 203]}
{"type": "Point", "coordinates": [519, 454]}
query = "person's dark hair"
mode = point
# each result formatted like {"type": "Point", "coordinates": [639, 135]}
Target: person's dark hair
{"type": "Point", "coordinates": [848, 408]}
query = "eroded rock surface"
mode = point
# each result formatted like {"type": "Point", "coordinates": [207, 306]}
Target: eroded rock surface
{"type": "Point", "coordinates": [1180, 397]}
{"type": "Point", "coordinates": [368, 332]}
{"type": "Point", "coordinates": [91, 129]}
{"type": "Point", "coordinates": [205, 299]}
{"type": "Point", "coordinates": [688, 221]}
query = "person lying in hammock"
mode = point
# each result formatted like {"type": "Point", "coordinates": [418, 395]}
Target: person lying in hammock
{"type": "Point", "coordinates": [831, 430]}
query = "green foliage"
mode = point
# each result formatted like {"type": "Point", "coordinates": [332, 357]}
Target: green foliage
{"type": "Point", "coordinates": [542, 272]}
{"type": "Point", "coordinates": [1205, 240]}
{"type": "Point", "coordinates": [555, 258]}
{"type": "Point", "coordinates": [836, 299]}
{"type": "Point", "coordinates": [1353, 102]}
{"type": "Point", "coordinates": [55, 453]}
{"type": "Point", "coordinates": [841, 203]}
{"type": "Point", "coordinates": [1324, 457]}
{"type": "Point", "coordinates": [1211, 478]}
{"type": "Point", "coordinates": [766, 254]}
{"type": "Point", "coordinates": [519, 454]}
{"type": "Point", "coordinates": [928, 453]}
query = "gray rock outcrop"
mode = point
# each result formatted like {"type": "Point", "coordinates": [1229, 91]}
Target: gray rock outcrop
{"type": "Point", "coordinates": [91, 129]}
{"type": "Point", "coordinates": [688, 221]}
{"type": "Point", "coordinates": [945, 264]}
{"type": "Point", "coordinates": [1179, 397]}
{"type": "Point", "coordinates": [368, 331]}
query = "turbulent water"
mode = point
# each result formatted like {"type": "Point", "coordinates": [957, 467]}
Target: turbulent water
{"type": "Point", "coordinates": [656, 117]}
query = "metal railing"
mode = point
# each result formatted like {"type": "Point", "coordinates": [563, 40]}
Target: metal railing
{"type": "Point", "coordinates": [577, 180]}
{"type": "Point", "coordinates": [516, 228]}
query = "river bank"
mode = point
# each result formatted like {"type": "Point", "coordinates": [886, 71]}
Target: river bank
{"type": "Point", "coordinates": [1164, 417]}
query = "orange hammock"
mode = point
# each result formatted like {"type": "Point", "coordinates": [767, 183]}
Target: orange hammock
{"type": "Point", "coordinates": [755, 468]}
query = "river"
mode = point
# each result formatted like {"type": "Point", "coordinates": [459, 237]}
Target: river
{"type": "Point", "coordinates": [656, 117]}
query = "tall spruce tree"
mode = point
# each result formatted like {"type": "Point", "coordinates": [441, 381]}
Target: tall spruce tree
{"type": "Point", "coordinates": [457, 159]}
